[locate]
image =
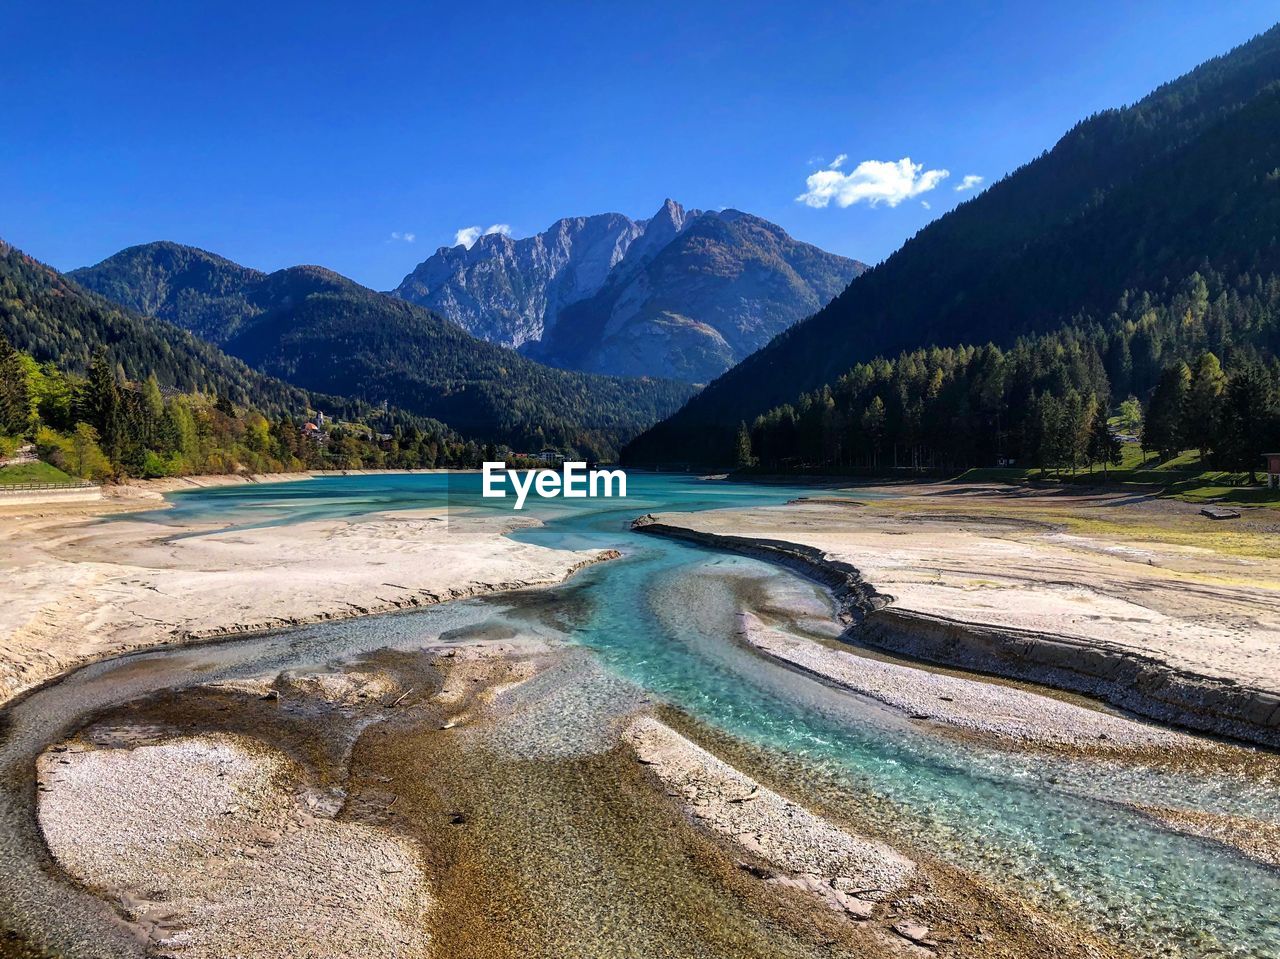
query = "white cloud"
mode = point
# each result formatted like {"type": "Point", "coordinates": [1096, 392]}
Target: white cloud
{"type": "Point", "coordinates": [403, 237]}
{"type": "Point", "coordinates": [872, 181]}
{"type": "Point", "coordinates": [468, 235]}
{"type": "Point", "coordinates": [971, 181]}
{"type": "Point", "coordinates": [926, 204]}
{"type": "Point", "coordinates": [839, 161]}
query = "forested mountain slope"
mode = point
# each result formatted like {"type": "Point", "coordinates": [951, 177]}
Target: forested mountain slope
{"type": "Point", "coordinates": [54, 319]}
{"type": "Point", "coordinates": [1130, 203]}
{"type": "Point", "coordinates": [319, 330]}
{"type": "Point", "coordinates": [200, 291]}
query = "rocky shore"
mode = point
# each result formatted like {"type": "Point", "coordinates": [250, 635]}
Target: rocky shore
{"type": "Point", "coordinates": [482, 800]}
{"type": "Point", "coordinates": [849, 873]}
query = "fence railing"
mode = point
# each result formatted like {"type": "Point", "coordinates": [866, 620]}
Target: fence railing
{"type": "Point", "coordinates": [28, 487]}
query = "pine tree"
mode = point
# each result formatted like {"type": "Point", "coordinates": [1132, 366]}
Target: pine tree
{"type": "Point", "coordinates": [744, 457]}
{"type": "Point", "coordinates": [152, 397]}
{"type": "Point", "coordinates": [1162, 432]}
{"type": "Point", "coordinates": [15, 392]}
{"type": "Point", "coordinates": [1247, 419]}
{"type": "Point", "coordinates": [1077, 420]}
{"type": "Point", "coordinates": [1200, 412]}
{"type": "Point", "coordinates": [103, 405]}
{"type": "Point", "coordinates": [1104, 448]}
{"type": "Point", "coordinates": [873, 420]}
{"type": "Point", "coordinates": [1053, 433]}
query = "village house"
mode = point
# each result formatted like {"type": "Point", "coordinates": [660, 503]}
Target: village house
{"type": "Point", "coordinates": [314, 433]}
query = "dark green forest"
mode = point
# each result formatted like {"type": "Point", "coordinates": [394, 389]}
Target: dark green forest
{"type": "Point", "coordinates": [1046, 401]}
{"type": "Point", "coordinates": [1141, 198]}
{"type": "Point", "coordinates": [54, 319]}
{"type": "Point", "coordinates": [319, 330]}
{"type": "Point", "coordinates": [172, 404]}
{"type": "Point", "coordinates": [104, 426]}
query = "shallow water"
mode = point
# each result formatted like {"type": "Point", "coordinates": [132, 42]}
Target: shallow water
{"type": "Point", "coordinates": [661, 619]}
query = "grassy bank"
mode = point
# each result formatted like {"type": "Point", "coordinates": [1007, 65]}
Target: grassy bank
{"type": "Point", "coordinates": [37, 472]}
{"type": "Point", "coordinates": [1183, 477]}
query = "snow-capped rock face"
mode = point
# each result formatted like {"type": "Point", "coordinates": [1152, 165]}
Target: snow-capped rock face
{"type": "Point", "coordinates": [684, 294]}
{"type": "Point", "coordinates": [510, 291]}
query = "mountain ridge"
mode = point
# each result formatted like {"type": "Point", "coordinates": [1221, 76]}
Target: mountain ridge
{"type": "Point", "coordinates": [693, 306]}
{"type": "Point", "coordinates": [509, 290]}
{"type": "Point", "coordinates": [516, 292]}
{"type": "Point", "coordinates": [311, 326]}
{"type": "Point", "coordinates": [55, 319]}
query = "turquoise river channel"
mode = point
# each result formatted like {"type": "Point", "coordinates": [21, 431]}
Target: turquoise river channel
{"type": "Point", "coordinates": [1058, 830]}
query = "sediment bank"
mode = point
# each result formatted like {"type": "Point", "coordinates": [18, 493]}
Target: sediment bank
{"type": "Point", "coordinates": [79, 591]}
{"type": "Point", "coordinates": [1145, 684]}
{"type": "Point", "coordinates": [854, 596]}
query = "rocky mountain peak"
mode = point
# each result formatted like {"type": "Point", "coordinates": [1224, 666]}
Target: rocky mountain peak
{"type": "Point", "coordinates": [510, 290]}
{"type": "Point", "coordinates": [741, 281]}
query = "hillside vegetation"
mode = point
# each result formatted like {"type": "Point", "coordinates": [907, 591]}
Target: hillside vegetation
{"type": "Point", "coordinates": [105, 392]}
{"type": "Point", "coordinates": [319, 330]}
{"type": "Point", "coordinates": [104, 426]}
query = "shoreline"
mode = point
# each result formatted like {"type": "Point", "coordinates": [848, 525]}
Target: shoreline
{"type": "Point", "coordinates": [133, 490]}
{"type": "Point", "coordinates": [229, 634]}
{"type": "Point", "coordinates": [174, 484]}
{"type": "Point", "coordinates": [84, 592]}
{"type": "Point", "coordinates": [1144, 685]}
{"type": "Point", "coordinates": [855, 597]}
{"type": "Point", "coordinates": [991, 712]}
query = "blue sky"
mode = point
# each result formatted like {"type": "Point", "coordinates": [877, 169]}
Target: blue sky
{"type": "Point", "coordinates": [279, 133]}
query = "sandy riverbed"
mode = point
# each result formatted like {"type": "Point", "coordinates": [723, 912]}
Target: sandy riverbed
{"type": "Point", "coordinates": [512, 805]}
{"type": "Point", "coordinates": [76, 590]}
